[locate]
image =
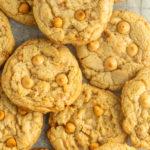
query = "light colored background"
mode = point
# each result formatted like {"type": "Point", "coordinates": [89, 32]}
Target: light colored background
{"type": "Point", "coordinates": [22, 33]}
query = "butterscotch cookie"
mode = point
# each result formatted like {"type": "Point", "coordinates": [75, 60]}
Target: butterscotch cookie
{"type": "Point", "coordinates": [136, 109]}
{"type": "Point", "coordinates": [93, 119]}
{"type": "Point", "coordinates": [115, 146]}
{"type": "Point", "coordinates": [7, 42]}
{"type": "Point", "coordinates": [72, 21]}
{"type": "Point", "coordinates": [121, 51]}
{"type": "Point", "coordinates": [19, 129]}
{"type": "Point", "coordinates": [19, 10]}
{"type": "Point", "coordinates": [42, 76]}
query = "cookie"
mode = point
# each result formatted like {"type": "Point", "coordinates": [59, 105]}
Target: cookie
{"type": "Point", "coordinates": [72, 21]}
{"type": "Point", "coordinates": [121, 51]}
{"type": "Point", "coordinates": [136, 109]}
{"type": "Point", "coordinates": [93, 119]}
{"type": "Point", "coordinates": [19, 129]}
{"type": "Point", "coordinates": [42, 76]}
{"type": "Point", "coordinates": [116, 1]}
{"type": "Point", "coordinates": [6, 37]}
{"type": "Point", "coordinates": [19, 10]}
{"type": "Point", "coordinates": [115, 146]}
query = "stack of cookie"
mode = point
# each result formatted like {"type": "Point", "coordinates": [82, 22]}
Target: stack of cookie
{"type": "Point", "coordinates": [42, 75]}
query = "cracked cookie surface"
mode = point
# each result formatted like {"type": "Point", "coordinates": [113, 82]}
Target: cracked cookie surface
{"type": "Point", "coordinates": [72, 21]}
{"type": "Point", "coordinates": [115, 146]}
{"type": "Point", "coordinates": [42, 76]}
{"type": "Point", "coordinates": [136, 109]}
{"type": "Point", "coordinates": [19, 129]}
{"type": "Point", "coordinates": [19, 10]}
{"type": "Point", "coordinates": [6, 37]}
{"type": "Point", "coordinates": [123, 49]}
{"type": "Point", "coordinates": [93, 119]}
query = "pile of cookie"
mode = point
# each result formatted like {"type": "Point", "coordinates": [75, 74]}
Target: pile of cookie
{"type": "Point", "coordinates": [42, 76]}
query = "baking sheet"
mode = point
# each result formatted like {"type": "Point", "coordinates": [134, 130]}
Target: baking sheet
{"type": "Point", "coordinates": [23, 33]}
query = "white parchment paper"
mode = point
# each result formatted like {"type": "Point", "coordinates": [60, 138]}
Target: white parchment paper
{"type": "Point", "coordinates": [23, 33]}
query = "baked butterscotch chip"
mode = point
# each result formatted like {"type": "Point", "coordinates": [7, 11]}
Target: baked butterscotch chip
{"type": "Point", "coordinates": [94, 119]}
{"type": "Point", "coordinates": [115, 146]}
{"type": "Point", "coordinates": [136, 109]}
{"type": "Point", "coordinates": [72, 22]}
{"type": "Point", "coordinates": [121, 51]}
{"type": "Point", "coordinates": [18, 130]}
{"type": "Point", "coordinates": [7, 41]}
{"type": "Point", "coordinates": [46, 78]}
{"type": "Point", "coordinates": [19, 10]}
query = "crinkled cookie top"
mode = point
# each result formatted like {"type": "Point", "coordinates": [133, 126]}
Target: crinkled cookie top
{"type": "Point", "coordinates": [72, 21]}
{"type": "Point", "coordinates": [19, 129]}
{"type": "Point", "coordinates": [42, 76]}
{"type": "Point", "coordinates": [6, 37]}
{"type": "Point", "coordinates": [19, 10]}
{"type": "Point", "coordinates": [136, 109]}
{"type": "Point", "coordinates": [123, 49]}
{"type": "Point", "coordinates": [115, 146]}
{"type": "Point", "coordinates": [93, 119]}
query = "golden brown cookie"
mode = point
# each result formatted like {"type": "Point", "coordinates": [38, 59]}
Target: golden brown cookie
{"type": "Point", "coordinates": [42, 76]}
{"type": "Point", "coordinates": [72, 21]}
{"type": "Point", "coordinates": [93, 119]}
{"type": "Point", "coordinates": [115, 146]}
{"type": "Point", "coordinates": [19, 10]}
{"type": "Point", "coordinates": [121, 51]}
{"type": "Point", "coordinates": [7, 41]}
{"type": "Point", "coordinates": [18, 131]}
{"type": "Point", "coordinates": [136, 109]}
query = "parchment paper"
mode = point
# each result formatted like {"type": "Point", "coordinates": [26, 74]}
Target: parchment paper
{"type": "Point", "coordinates": [23, 33]}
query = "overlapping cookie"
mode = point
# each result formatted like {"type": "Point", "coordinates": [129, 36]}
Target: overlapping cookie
{"type": "Point", "coordinates": [19, 129]}
{"type": "Point", "coordinates": [42, 76]}
{"type": "Point", "coordinates": [71, 21]}
{"type": "Point", "coordinates": [93, 119]}
{"type": "Point", "coordinates": [7, 41]}
{"type": "Point", "coordinates": [19, 10]}
{"type": "Point", "coordinates": [136, 109]}
{"type": "Point", "coordinates": [121, 51]}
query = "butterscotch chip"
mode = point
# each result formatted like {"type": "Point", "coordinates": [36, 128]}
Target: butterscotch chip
{"type": "Point", "coordinates": [61, 79]}
{"type": "Point", "coordinates": [132, 50]}
{"type": "Point", "coordinates": [80, 15]}
{"type": "Point", "coordinates": [2, 115]}
{"type": "Point", "coordinates": [48, 79]}
{"type": "Point", "coordinates": [70, 127]}
{"type": "Point", "coordinates": [123, 27]}
{"type": "Point", "coordinates": [22, 111]}
{"type": "Point", "coordinates": [98, 111]}
{"type": "Point", "coordinates": [135, 106]}
{"type": "Point", "coordinates": [57, 22]}
{"type": "Point", "coordinates": [11, 142]}
{"type": "Point", "coordinates": [76, 22]}
{"type": "Point", "coordinates": [94, 146]}
{"type": "Point", "coordinates": [110, 64]}
{"type": "Point", "coordinates": [37, 60]}
{"type": "Point", "coordinates": [93, 46]}
{"type": "Point", "coordinates": [121, 51]}
{"type": "Point", "coordinates": [80, 122]}
{"type": "Point", "coordinates": [24, 8]}
{"type": "Point", "coordinates": [27, 82]}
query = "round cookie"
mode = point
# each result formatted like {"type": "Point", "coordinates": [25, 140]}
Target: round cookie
{"type": "Point", "coordinates": [136, 109]}
{"type": "Point", "coordinates": [6, 37]}
{"type": "Point", "coordinates": [19, 129]}
{"type": "Point", "coordinates": [93, 119]}
{"type": "Point", "coordinates": [72, 21]}
{"type": "Point", "coordinates": [115, 146]}
{"type": "Point", "coordinates": [19, 10]}
{"type": "Point", "coordinates": [42, 76]}
{"type": "Point", "coordinates": [122, 50]}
